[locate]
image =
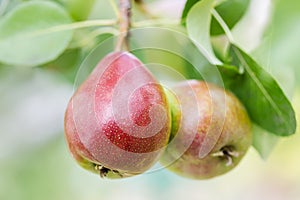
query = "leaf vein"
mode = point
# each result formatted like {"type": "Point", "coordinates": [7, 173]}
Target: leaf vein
{"type": "Point", "coordinates": [260, 86]}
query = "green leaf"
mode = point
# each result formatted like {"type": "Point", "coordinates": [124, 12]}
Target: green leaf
{"type": "Point", "coordinates": [29, 36]}
{"type": "Point", "coordinates": [188, 5]}
{"type": "Point", "coordinates": [198, 25]}
{"type": "Point", "coordinates": [229, 74]}
{"type": "Point", "coordinates": [79, 9]}
{"type": "Point", "coordinates": [265, 101]}
{"type": "Point", "coordinates": [263, 141]}
{"type": "Point", "coordinates": [231, 11]}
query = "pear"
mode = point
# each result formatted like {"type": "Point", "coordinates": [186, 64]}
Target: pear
{"type": "Point", "coordinates": [118, 122]}
{"type": "Point", "coordinates": [212, 134]}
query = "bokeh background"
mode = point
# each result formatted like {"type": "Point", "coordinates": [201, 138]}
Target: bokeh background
{"type": "Point", "coordinates": [35, 162]}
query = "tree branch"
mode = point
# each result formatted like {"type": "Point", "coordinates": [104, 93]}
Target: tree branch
{"type": "Point", "coordinates": [125, 23]}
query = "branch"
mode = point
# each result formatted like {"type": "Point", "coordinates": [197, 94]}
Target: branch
{"type": "Point", "coordinates": [125, 18]}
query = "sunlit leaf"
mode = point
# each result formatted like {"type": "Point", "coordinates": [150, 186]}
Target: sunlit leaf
{"type": "Point", "coordinates": [230, 10]}
{"type": "Point", "coordinates": [265, 101]}
{"type": "Point", "coordinates": [29, 36]}
{"type": "Point", "coordinates": [198, 27]}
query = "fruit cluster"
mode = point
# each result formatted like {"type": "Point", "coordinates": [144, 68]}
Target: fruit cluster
{"type": "Point", "coordinates": [121, 121]}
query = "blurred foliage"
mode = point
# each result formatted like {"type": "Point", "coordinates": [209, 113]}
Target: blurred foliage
{"type": "Point", "coordinates": [36, 175]}
{"type": "Point", "coordinates": [281, 43]}
{"type": "Point", "coordinates": [79, 10]}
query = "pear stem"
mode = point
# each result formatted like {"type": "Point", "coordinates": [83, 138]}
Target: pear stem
{"type": "Point", "coordinates": [125, 23]}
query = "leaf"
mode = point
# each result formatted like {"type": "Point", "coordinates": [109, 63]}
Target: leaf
{"type": "Point", "coordinates": [230, 10]}
{"type": "Point", "coordinates": [198, 26]}
{"type": "Point", "coordinates": [28, 36]}
{"type": "Point", "coordinates": [188, 5]}
{"type": "Point", "coordinates": [228, 73]}
{"type": "Point", "coordinates": [79, 10]}
{"type": "Point", "coordinates": [265, 101]}
{"type": "Point", "coordinates": [263, 141]}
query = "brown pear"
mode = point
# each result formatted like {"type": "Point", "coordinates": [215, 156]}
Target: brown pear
{"type": "Point", "coordinates": [212, 134]}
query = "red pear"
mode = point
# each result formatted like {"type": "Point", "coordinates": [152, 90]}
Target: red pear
{"type": "Point", "coordinates": [118, 121]}
{"type": "Point", "coordinates": [212, 134]}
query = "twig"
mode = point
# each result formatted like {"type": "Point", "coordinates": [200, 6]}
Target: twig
{"type": "Point", "coordinates": [125, 18]}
